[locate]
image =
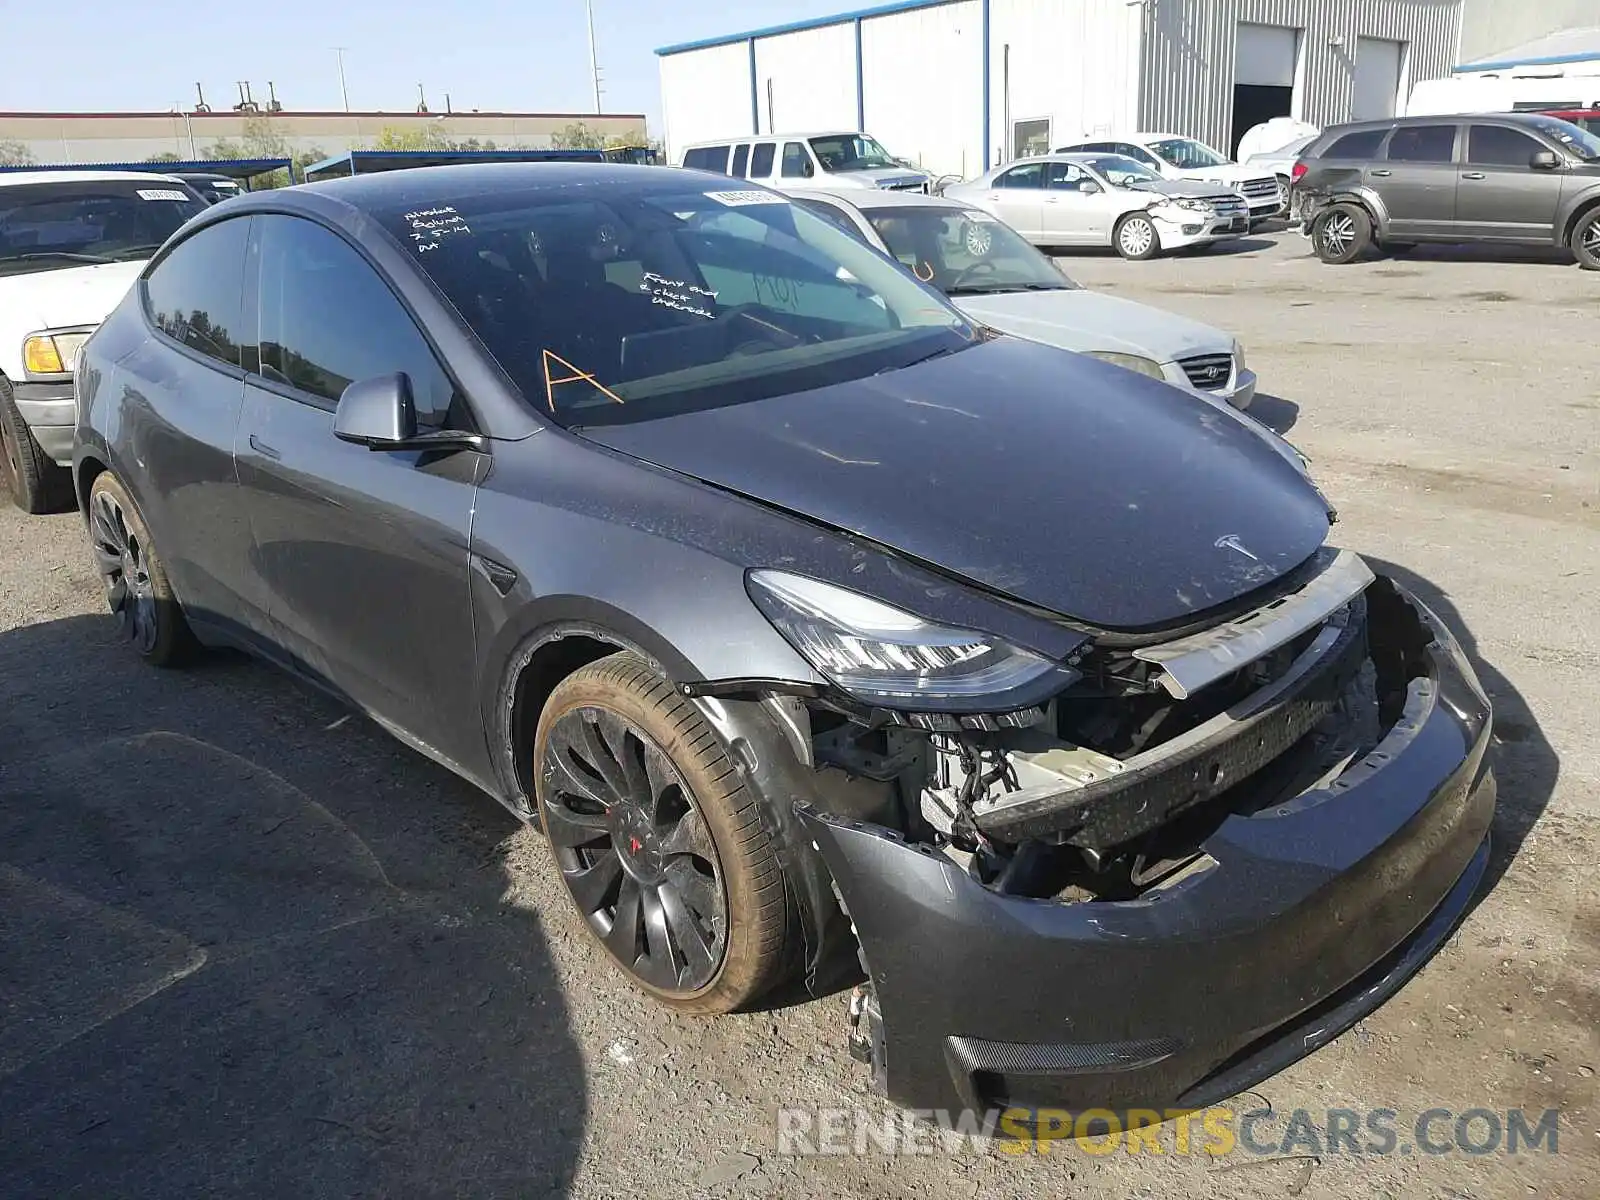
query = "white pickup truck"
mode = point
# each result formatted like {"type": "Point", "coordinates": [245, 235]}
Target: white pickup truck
{"type": "Point", "coordinates": [71, 243]}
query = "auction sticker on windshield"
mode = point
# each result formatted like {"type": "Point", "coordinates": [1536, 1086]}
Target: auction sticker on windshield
{"type": "Point", "coordinates": [162, 194]}
{"type": "Point", "coordinates": [741, 199]}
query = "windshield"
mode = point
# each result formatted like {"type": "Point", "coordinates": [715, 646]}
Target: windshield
{"type": "Point", "coordinates": [1121, 170]}
{"type": "Point", "coordinates": [964, 252]}
{"type": "Point", "coordinates": [1186, 154]}
{"type": "Point", "coordinates": [629, 304]}
{"type": "Point", "coordinates": [1575, 138]}
{"type": "Point", "coordinates": [851, 152]}
{"type": "Point", "coordinates": [51, 226]}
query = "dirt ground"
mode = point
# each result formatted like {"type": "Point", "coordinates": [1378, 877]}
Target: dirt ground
{"type": "Point", "coordinates": [251, 946]}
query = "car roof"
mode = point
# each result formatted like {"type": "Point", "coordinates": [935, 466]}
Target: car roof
{"type": "Point", "coordinates": [425, 187]}
{"type": "Point", "coordinates": [17, 178]}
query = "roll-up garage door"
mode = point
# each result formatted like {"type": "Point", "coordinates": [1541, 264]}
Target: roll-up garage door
{"type": "Point", "coordinates": [1263, 76]}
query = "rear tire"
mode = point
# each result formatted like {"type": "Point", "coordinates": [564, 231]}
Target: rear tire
{"type": "Point", "coordinates": [1585, 240]}
{"type": "Point", "coordinates": [137, 589]}
{"type": "Point", "coordinates": [33, 482]}
{"type": "Point", "coordinates": [1342, 234]}
{"type": "Point", "coordinates": [1135, 237]}
{"type": "Point", "coordinates": [660, 843]}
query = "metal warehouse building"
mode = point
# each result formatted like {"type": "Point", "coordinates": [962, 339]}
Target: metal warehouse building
{"type": "Point", "coordinates": [958, 85]}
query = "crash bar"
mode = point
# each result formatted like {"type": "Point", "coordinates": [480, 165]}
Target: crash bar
{"type": "Point", "coordinates": [1190, 663]}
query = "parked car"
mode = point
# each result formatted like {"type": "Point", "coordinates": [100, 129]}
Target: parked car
{"type": "Point", "coordinates": [1176, 157]}
{"type": "Point", "coordinates": [801, 160]}
{"type": "Point", "coordinates": [1066, 200]}
{"type": "Point", "coordinates": [70, 244]}
{"type": "Point", "coordinates": [1503, 177]}
{"type": "Point", "coordinates": [997, 278]}
{"type": "Point", "coordinates": [806, 616]}
{"type": "Point", "coordinates": [210, 186]}
{"type": "Point", "coordinates": [1282, 160]}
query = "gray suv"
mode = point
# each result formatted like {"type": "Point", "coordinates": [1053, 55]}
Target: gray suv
{"type": "Point", "coordinates": [1503, 177]}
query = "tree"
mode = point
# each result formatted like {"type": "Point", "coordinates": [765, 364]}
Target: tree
{"type": "Point", "coordinates": [164, 156]}
{"type": "Point", "coordinates": [425, 137]}
{"type": "Point", "coordinates": [263, 140]}
{"type": "Point", "coordinates": [15, 154]}
{"type": "Point", "coordinates": [577, 136]}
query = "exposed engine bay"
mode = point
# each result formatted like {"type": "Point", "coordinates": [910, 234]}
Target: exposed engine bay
{"type": "Point", "coordinates": [1110, 789]}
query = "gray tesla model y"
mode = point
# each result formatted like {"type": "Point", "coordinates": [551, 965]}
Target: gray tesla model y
{"type": "Point", "coordinates": [804, 616]}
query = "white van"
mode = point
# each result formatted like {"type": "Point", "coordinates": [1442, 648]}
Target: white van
{"type": "Point", "coordinates": [796, 161]}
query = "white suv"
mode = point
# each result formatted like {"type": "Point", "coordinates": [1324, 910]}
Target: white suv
{"type": "Point", "coordinates": [71, 243]}
{"type": "Point", "coordinates": [798, 161]}
{"type": "Point", "coordinates": [1177, 157]}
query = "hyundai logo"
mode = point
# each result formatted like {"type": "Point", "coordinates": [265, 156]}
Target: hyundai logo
{"type": "Point", "coordinates": [1213, 374]}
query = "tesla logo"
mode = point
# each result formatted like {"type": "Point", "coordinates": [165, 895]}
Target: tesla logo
{"type": "Point", "coordinates": [1230, 541]}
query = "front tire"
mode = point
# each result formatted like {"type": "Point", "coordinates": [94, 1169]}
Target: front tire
{"type": "Point", "coordinates": [1585, 241]}
{"type": "Point", "coordinates": [1135, 237]}
{"type": "Point", "coordinates": [33, 482]}
{"type": "Point", "coordinates": [1342, 234]}
{"type": "Point", "coordinates": [658, 840]}
{"type": "Point", "coordinates": [137, 589]}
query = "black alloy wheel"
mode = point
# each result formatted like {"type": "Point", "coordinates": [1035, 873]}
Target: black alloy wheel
{"type": "Point", "coordinates": [634, 850]}
{"type": "Point", "coordinates": [119, 554]}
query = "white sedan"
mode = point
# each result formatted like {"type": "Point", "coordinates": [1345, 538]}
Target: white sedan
{"type": "Point", "coordinates": [1001, 281]}
{"type": "Point", "coordinates": [1105, 200]}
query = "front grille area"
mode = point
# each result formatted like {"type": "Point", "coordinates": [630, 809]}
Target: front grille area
{"type": "Point", "coordinates": [1230, 207]}
{"type": "Point", "coordinates": [1259, 191]}
{"type": "Point", "coordinates": [906, 185]}
{"type": "Point", "coordinates": [1209, 372]}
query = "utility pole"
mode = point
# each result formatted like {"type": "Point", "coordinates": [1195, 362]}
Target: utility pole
{"type": "Point", "coordinates": [188, 125]}
{"type": "Point", "coordinates": [344, 93]}
{"type": "Point", "coordinates": [594, 62]}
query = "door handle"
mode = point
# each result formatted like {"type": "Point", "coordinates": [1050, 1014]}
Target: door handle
{"type": "Point", "coordinates": [1473, 175]}
{"type": "Point", "coordinates": [263, 449]}
{"type": "Point", "coordinates": [1383, 172]}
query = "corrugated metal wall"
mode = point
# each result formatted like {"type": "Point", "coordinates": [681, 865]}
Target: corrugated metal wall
{"type": "Point", "coordinates": [923, 76]}
{"type": "Point", "coordinates": [705, 94]}
{"type": "Point", "coordinates": [1188, 59]}
{"type": "Point", "coordinates": [813, 74]}
{"type": "Point", "coordinates": [1075, 62]}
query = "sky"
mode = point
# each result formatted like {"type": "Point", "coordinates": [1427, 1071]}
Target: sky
{"type": "Point", "coordinates": [487, 54]}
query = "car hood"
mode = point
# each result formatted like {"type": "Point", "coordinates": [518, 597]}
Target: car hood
{"type": "Point", "coordinates": [884, 177]}
{"type": "Point", "coordinates": [1227, 173]}
{"type": "Point", "coordinates": [1058, 480]}
{"type": "Point", "coordinates": [1198, 188]}
{"type": "Point", "coordinates": [1084, 320]}
{"type": "Point", "coordinates": [69, 296]}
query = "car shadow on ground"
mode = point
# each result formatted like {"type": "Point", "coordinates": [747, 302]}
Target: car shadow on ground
{"type": "Point", "coordinates": [1276, 413]}
{"type": "Point", "coordinates": [1555, 256]}
{"type": "Point", "coordinates": [1526, 765]}
{"type": "Point", "coordinates": [253, 946]}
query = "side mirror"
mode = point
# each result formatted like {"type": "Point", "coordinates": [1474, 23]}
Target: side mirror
{"type": "Point", "coordinates": [1544, 160]}
{"type": "Point", "coordinates": [381, 414]}
{"type": "Point", "coordinates": [1089, 187]}
{"type": "Point", "coordinates": [377, 412]}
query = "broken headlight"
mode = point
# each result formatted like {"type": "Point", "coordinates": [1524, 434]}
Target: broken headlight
{"type": "Point", "coordinates": [883, 655]}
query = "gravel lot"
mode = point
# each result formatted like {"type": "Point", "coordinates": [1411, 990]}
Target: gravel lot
{"type": "Point", "coordinates": [251, 946]}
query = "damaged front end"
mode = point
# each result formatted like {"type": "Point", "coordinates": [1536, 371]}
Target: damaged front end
{"type": "Point", "coordinates": [1198, 857]}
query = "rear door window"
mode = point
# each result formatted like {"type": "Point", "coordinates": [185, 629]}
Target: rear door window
{"type": "Point", "coordinates": [1029, 175]}
{"type": "Point", "coordinates": [761, 160]}
{"type": "Point", "coordinates": [741, 159]}
{"type": "Point", "coordinates": [1423, 144]}
{"type": "Point", "coordinates": [1363, 143]}
{"type": "Point", "coordinates": [195, 294]}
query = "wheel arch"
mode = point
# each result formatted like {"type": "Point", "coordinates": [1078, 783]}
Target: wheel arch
{"type": "Point", "coordinates": [551, 648]}
{"type": "Point", "coordinates": [1582, 206]}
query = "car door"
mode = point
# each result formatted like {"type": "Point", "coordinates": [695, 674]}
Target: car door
{"type": "Point", "coordinates": [1076, 207]}
{"type": "Point", "coordinates": [363, 555]}
{"type": "Point", "coordinates": [1017, 198]}
{"type": "Point", "coordinates": [183, 389]}
{"type": "Point", "coordinates": [1500, 193]}
{"type": "Point", "coordinates": [1417, 178]}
